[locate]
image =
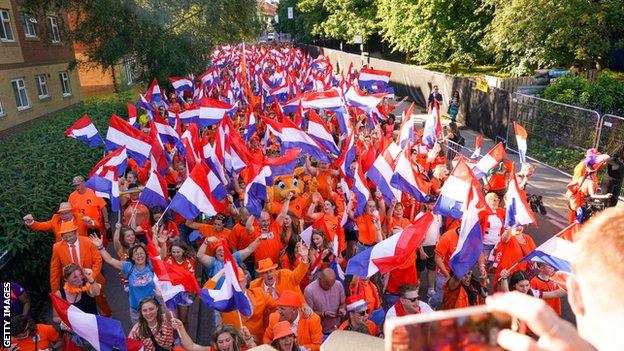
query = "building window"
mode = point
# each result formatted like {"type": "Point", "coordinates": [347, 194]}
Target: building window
{"type": "Point", "coordinates": [55, 35]}
{"type": "Point", "coordinates": [42, 86]}
{"type": "Point", "coordinates": [6, 33]}
{"type": "Point", "coordinates": [65, 83]}
{"type": "Point", "coordinates": [21, 97]}
{"type": "Point", "coordinates": [2, 113]}
{"type": "Point", "coordinates": [29, 26]}
{"type": "Point", "coordinates": [128, 71]}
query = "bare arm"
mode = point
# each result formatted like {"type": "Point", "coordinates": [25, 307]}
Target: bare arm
{"type": "Point", "coordinates": [116, 242]}
{"type": "Point", "coordinates": [186, 340]}
{"type": "Point", "coordinates": [249, 224]}
{"type": "Point", "coordinates": [205, 259]}
{"type": "Point", "coordinates": [246, 252]}
{"type": "Point", "coordinates": [440, 264]}
{"type": "Point", "coordinates": [313, 171]}
{"type": "Point", "coordinates": [554, 294]}
{"type": "Point", "coordinates": [192, 225]}
{"type": "Point", "coordinates": [506, 235]}
{"type": "Point", "coordinates": [117, 264]}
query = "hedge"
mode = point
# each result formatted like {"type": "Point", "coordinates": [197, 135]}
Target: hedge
{"type": "Point", "coordinates": [36, 168]}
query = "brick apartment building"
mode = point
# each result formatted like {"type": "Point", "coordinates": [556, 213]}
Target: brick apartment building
{"type": "Point", "coordinates": [34, 74]}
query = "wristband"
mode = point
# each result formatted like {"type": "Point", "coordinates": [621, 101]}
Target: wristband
{"type": "Point", "coordinates": [100, 248]}
{"type": "Point", "coordinates": [93, 282]}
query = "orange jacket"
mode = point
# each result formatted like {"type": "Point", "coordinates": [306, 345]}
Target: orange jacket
{"type": "Point", "coordinates": [54, 224]}
{"type": "Point", "coordinates": [89, 258]}
{"type": "Point", "coordinates": [309, 331]}
{"type": "Point", "coordinates": [286, 280]}
{"type": "Point", "coordinates": [263, 306]}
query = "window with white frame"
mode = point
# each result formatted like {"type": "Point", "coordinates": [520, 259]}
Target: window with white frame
{"type": "Point", "coordinates": [55, 35]}
{"type": "Point", "coordinates": [42, 86]}
{"type": "Point", "coordinates": [65, 83]}
{"type": "Point", "coordinates": [29, 26]}
{"type": "Point", "coordinates": [21, 96]}
{"type": "Point", "coordinates": [2, 113]}
{"type": "Point", "coordinates": [6, 33]}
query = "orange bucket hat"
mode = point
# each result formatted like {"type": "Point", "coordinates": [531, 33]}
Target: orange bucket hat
{"type": "Point", "coordinates": [282, 329]}
{"type": "Point", "coordinates": [67, 227]}
{"type": "Point", "coordinates": [288, 298]}
{"type": "Point", "coordinates": [265, 265]}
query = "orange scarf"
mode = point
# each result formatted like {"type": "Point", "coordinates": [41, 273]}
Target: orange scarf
{"type": "Point", "coordinates": [77, 290]}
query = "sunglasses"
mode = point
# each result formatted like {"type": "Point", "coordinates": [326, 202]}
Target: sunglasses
{"type": "Point", "coordinates": [413, 299]}
{"type": "Point", "coordinates": [362, 313]}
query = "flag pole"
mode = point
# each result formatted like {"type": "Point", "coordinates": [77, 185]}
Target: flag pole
{"type": "Point", "coordinates": [240, 319]}
{"type": "Point", "coordinates": [163, 215]}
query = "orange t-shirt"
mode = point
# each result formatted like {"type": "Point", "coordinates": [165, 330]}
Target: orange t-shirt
{"type": "Point", "coordinates": [270, 247]}
{"type": "Point", "coordinates": [369, 292]}
{"type": "Point", "coordinates": [446, 246]}
{"type": "Point", "coordinates": [366, 229]}
{"type": "Point", "coordinates": [538, 284]}
{"type": "Point", "coordinates": [240, 238]}
{"type": "Point", "coordinates": [509, 253]}
{"type": "Point", "coordinates": [87, 204]}
{"type": "Point", "coordinates": [405, 274]}
{"type": "Point", "coordinates": [322, 178]}
{"type": "Point", "coordinates": [457, 298]}
{"type": "Point", "coordinates": [47, 337]}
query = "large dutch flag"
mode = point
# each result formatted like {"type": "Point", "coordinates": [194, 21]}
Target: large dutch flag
{"type": "Point", "coordinates": [117, 159]}
{"type": "Point", "coordinates": [382, 170]}
{"type": "Point", "coordinates": [291, 105]}
{"type": "Point", "coordinates": [366, 102]}
{"type": "Point", "coordinates": [557, 251]}
{"type": "Point", "coordinates": [293, 137]}
{"type": "Point", "coordinates": [392, 252]}
{"type": "Point", "coordinates": [120, 133]}
{"type": "Point", "coordinates": [408, 179]}
{"type": "Point", "coordinates": [489, 161]}
{"type": "Point", "coordinates": [194, 196]}
{"type": "Point", "coordinates": [317, 130]}
{"type": "Point", "coordinates": [517, 212]}
{"type": "Point", "coordinates": [155, 191]}
{"type": "Point", "coordinates": [212, 111]}
{"type": "Point", "coordinates": [348, 156]}
{"type": "Point", "coordinates": [454, 192]}
{"type": "Point", "coordinates": [167, 133]}
{"type": "Point", "coordinates": [231, 295]}
{"type": "Point", "coordinates": [470, 244]}
{"type": "Point", "coordinates": [181, 84]}
{"type": "Point", "coordinates": [105, 183]}
{"type": "Point", "coordinates": [373, 79]}
{"type": "Point", "coordinates": [104, 334]}
{"type": "Point", "coordinates": [84, 130]}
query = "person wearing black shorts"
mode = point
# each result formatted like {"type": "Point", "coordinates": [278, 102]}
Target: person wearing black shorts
{"type": "Point", "coordinates": [426, 252]}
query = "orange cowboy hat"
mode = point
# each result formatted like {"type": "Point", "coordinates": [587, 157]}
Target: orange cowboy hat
{"type": "Point", "coordinates": [67, 227]}
{"type": "Point", "coordinates": [282, 329]}
{"type": "Point", "coordinates": [265, 265]}
{"type": "Point", "coordinates": [288, 298]}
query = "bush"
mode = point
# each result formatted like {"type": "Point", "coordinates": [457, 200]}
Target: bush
{"type": "Point", "coordinates": [36, 168]}
{"type": "Point", "coordinates": [605, 94]}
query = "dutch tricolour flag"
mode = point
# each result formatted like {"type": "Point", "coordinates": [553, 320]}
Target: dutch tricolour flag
{"type": "Point", "coordinates": [105, 183]}
{"type": "Point", "coordinates": [155, 191]}
{"type": "Point", "coordinates": [348, 156]}
{"type": "Point", "coordinates": [194, 196]}
{"type": "Point", "coordinates": [454, 192]}
{"type": "Point", "coordinates": [231, 295]}
{"type": "Point", "coordinates": [366, 102]}
{"type": "Point", "coordinates": [317, 130]}
{"type": "Point", "coordinates": [489, 161]}
{"type": "Point", "coordinates": [477, 151]}
{"type": "Point", "coordinates": [291, 105]}
{"type": "Point", "coordinates": [382, 170]}
{"type": "Point", "coordinates": [432, 126]}
{"type": "Point", "coordinates": [391, 252]}
{"type": "Point", "coordinates": [120, 133]}
{"type": "Point", "coordinates": [521, 141]}
{"type": "Point", "coordinates": [360, 190]}
{"type": "Point", "coordinates": [181, 84]}
{"type": "Point", "coordinates": [406, 133]}
{"type": "Point", "coordinates": [167, 133]}
{"type": "Point", "coordinates": [104, 334]}
{"type": "Point", "coordinates": [370, 78]}
{"type": "Point", "coordinates": [470, 244]}
{"type": "Point", "coordinates": [293, 137]}
{"type": "Point", "coordinates": [84, 130]}
{"type": "Point", "coordinates": [117, 159]}
{"type": "Point", "coordinates": [517, 211]}
{"type": "Point", "coordinates": [212, 111]}
{"type": "Point", "coordinates": [557, 251]}
{"type": "Point", "coordinates": [407, 179]}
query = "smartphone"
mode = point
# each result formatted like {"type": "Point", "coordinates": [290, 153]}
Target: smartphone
{"type": "Point", "coordinates": [471, 328]}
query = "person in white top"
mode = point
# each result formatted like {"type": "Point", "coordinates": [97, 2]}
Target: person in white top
{"type": "Point", "coordinates": [426, 251]}
{"type": "Point", "coordinates": [494, 224]}
{"type": "Point", "coordinates": [408, 303]}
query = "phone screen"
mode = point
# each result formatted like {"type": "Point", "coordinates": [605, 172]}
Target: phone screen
{"type": "Point", "coordinates": [470, 329]}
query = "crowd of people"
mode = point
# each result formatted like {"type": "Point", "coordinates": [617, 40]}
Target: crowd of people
{"type": "Point", "coordinates": [296, 285]}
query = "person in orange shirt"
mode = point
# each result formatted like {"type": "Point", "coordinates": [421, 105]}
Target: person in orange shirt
{"type": "Point", "coordinates": [543, 283]}
{"type": "Point", "coordinates": [330, 219]}
{"type": "Point", "coordinates": [325, 176]}
{"type": "Point", "coordinates": [263, 305]}
{"type": "Point", "coordinates": [28, 336]}
{"type": "Point", "coordinates": [216, 229]}
{"type": "Point", "coordinates": [84, 201]}
{"type": "Point", "coordinates": [308, 329]}
{"type": "Point", "coordinates": [367, 290]}
{"type": "Point", "coordinates": [273, 281]}
{"type": "Point", "coordinates": [284, 337]}
{"type": "Point", "coordinates": [78, 250]}
{"type": "Point", "coordinates": [65, 213]}
{"type": "Point", "coordinates": [513, 246]}
{"type": "Point", "coordinates": [357, 314]}
{"type": "Point", "coordinates": [455, 294]}
{"type": "Point", "coordinates": [135, 213]}
{"type": "Point", "coordinates": [368, 225]}
{"type": "Point", "coordinates": [272, 246]}
{"type": "Point", "coordinates": [394, 217]}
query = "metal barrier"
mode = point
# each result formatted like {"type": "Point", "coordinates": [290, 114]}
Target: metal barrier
{"type": "Point", "coordinates": [611, 135]}
{"type": "Point", "coordinates": [552, 125]}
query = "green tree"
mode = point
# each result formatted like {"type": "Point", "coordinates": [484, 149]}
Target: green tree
{"type": "Point", "coordinates": [345, 18]}
{"type": "Point", "coordinates": [300, 27]}
{"type": "Point", "coordinates": [435, 30]}
{"type": "Point", "coordinates": [530, 34]}
{"type": "Point", "coordinates": [164, 38]}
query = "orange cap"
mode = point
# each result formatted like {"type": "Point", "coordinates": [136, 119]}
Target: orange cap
{"type": "Point", "coordinates": [282, 329]}
{"type": "Point", "coordinates": [288, 298]}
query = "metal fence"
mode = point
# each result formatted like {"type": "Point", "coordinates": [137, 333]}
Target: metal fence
{"type": "Point", "coordinates": [611, 132]}
{"type": "Point", "coordinates": [555, 129]}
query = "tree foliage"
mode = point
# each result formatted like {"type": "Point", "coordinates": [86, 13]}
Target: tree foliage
{"type": "Point", "coordinates": [164, 38]}
{"type": "Point", "coordinates": [305, 18]}
{"type": "Point", "coordinates": [530, 34]}
{"type": "Point", "coordinates": [605, 94]}
{"type": "Point", "coordinates": [435, 30]}
{"type": "Point", "coordinates": [345, 18]}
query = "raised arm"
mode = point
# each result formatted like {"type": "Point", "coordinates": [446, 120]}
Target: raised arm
{"type": "Point", "coordinates": [186, 340]}
{"type": "Point", "coordinates": [193, 225]}
{"type": "Point", "coordinates": [249, 224]}
{"type": "Point", "coordinates": [312, 214]}
{"type": "Point", "coordinates": [309, 168]}
{"type": "Point", "coordinates": [246, 252]}
{"type": "Point", "coordinates": [204, 258]}
{"type": "Point", "coordinates": [105, 255]}
{"type": "Point", "coordinates": [116, 233]}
